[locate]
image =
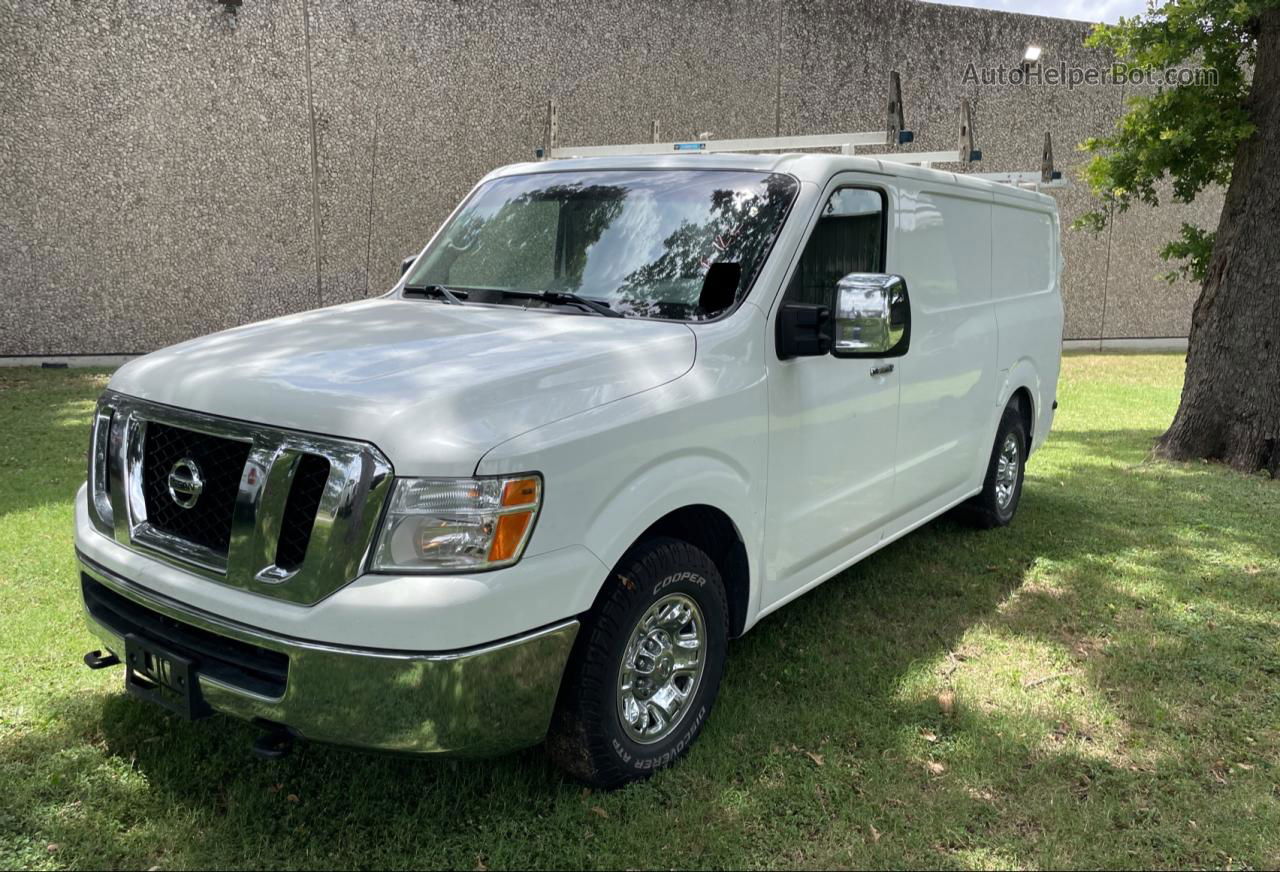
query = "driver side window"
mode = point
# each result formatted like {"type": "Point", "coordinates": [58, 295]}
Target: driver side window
{"type": "Point", "coordinates": [848, 238]}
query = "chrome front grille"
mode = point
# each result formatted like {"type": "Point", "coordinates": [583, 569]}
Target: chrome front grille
{"type": "Point", "coordinates": [278, 512]}
{"type": "Point", "coordinates": [207, 522]}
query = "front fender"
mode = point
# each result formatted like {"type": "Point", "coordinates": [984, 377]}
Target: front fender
{"type": "Point", "coordinates": [668, 484]}
{"type": "Point", "coordinates": [611, 472]}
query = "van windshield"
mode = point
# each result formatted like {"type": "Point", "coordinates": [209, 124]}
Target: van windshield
{"type": "Point", "coordinates": [640, 242]}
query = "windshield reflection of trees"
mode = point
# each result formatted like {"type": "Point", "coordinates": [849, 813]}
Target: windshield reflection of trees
{"type": "Point", "coordinates": [527, 244]}
{"type": "Point", "coordinates": [542, 240]}
{"type": "Point", "coordinates": [739, 229]}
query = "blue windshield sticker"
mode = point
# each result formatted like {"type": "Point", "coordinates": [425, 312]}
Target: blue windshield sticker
{"type": "Point", "coordinates": [690, 146]}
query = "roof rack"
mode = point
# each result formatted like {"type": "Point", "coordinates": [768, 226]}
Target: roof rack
{"type": "Point", "coordinates": [965, 151]}
{"type": "Point", "coordinates": [1046, 177]}
{"type": "Point", "coordinates": [844, 141]}
{"type": "Point", "coordinates": [894, 134]}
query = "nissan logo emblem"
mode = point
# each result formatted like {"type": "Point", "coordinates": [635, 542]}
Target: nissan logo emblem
{"type": "Point", "coordinates": [185, 482]}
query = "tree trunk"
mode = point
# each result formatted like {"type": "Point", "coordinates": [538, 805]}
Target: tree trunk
{"type": "Point", "coordinates": [1230, 409]}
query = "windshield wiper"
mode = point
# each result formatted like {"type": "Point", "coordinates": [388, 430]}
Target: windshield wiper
{"type": "Point", "coordinates": [565, 298]}
{"type": "Point", "coordinates": [435, 291]}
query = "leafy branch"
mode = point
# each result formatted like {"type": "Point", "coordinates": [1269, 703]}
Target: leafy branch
{"type": "Point", "coordinates": [1186, 133]}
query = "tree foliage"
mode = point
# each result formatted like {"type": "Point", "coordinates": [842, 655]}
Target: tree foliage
{"type": "Point", "coordinates": [1186, 133]}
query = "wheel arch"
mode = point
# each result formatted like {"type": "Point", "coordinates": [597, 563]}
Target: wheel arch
{"type": "Point", "coordinates": [1022, 383]}
{"type": "Point", "coordinates": [703, 500]}
{"type": "Point", "coordinates": [1026, 406]}
{"type": "Point", "coordinates": [711, 530]}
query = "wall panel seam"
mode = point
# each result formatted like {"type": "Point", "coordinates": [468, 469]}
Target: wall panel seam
{"type": "Point", "coordinates": [777, 73]}
{"type": "Point", "coordinates": [315, 160]}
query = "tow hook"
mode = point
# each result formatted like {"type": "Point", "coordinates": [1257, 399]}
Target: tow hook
{"type": "Point", "coordinates": [95, 660]}
{"type": "Point", "coordinates": [274, 744]}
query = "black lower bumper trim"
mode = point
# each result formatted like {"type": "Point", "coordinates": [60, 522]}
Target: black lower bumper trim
{"type": "Point", "coordinates": [239, 664]}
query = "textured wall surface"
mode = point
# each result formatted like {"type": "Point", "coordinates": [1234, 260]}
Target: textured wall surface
{"type": "Point", "coordinates": [170, 167]}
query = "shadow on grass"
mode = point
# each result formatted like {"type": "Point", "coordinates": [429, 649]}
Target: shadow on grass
{"type": "Point", "coordinates": [836, 674]}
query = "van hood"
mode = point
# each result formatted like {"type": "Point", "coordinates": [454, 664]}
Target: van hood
{"type": "Point", "coordinates": [434, 386]}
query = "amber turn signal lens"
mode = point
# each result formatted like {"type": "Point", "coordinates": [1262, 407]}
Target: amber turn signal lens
{"type": "Point", "coordinates": [520, 492]}
{"type": "Point", "coordinates": [507, 538]}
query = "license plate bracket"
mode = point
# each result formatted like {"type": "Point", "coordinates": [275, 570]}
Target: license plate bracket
{"type": "Point", "coordinates": [157, 675]}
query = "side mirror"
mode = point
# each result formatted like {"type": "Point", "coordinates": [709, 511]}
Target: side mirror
{"type": "Point", "coordinates": [873, 316]}
{"type": "Point", "coordinates": [804, 330]}
{"type": "Point", "coordinates": [406, 263]}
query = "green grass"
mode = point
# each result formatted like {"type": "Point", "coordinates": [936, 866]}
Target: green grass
{"type": "Point", "coordinates": [1098, 685]}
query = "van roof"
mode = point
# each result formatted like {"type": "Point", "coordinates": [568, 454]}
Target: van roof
{"type": "Point", "coordinates": [806, 166]}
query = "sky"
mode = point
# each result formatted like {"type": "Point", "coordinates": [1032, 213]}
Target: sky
{"type": "Point", "coordinates": [1084, 10]}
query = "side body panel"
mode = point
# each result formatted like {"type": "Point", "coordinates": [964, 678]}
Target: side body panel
{"type": "Point", "coordinates": [986, 321]}
{"type": "Point", "coordinates": [1026, 293]}
{"type": "Point", "coordinates": [943, 236]}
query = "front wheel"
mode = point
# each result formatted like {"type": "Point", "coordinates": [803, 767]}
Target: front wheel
{"type": "Point", "coordinates": [1002, 488]}
{"type": "Point", "coordinates": [645, 669]}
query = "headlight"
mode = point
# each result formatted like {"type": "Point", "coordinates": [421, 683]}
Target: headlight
{"type": "Point", "coordinates": [457, 524]}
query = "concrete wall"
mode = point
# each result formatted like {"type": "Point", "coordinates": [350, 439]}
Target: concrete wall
{"type": "Point", "coordinates": [169, 168]}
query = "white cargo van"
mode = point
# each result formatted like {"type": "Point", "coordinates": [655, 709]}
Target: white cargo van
{"type": "Point", "coordinates": [616, 411]}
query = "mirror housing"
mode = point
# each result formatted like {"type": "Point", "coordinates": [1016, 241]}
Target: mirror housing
{"type": "Point", "coordinates": [804, 330]}
{"type": "Point", "coordinates": [873, 316]}
{"type": "Point", "coordinates": [406, 263]}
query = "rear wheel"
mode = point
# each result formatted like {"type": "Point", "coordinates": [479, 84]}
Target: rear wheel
{"type": "Point", "coordinates": [645, 668]}
{"type": "Point", "coordinates": [1002, 487]}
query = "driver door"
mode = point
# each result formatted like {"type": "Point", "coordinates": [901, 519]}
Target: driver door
{"type": "Point", "coordinates": [833, 421]}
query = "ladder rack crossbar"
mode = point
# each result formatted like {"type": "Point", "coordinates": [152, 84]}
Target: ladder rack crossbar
{"type": "Point", "coordinates": [708, 146]}
{"type": "Point", "coordinates": [923, 158]}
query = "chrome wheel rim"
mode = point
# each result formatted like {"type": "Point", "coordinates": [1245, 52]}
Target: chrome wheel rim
{"type": "Point", "coordinates": [661, 668]}
{"type": "Point", "coordinates": [1007, 472]}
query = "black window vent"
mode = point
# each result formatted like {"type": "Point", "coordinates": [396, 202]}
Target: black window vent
{"type": "Point", "coordinates": [300, 510]}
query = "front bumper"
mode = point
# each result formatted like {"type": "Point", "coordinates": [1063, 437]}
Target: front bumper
{"type": "Point", "coordinates": [473, 702]}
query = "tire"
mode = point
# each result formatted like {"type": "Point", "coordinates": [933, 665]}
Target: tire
{"type": "Point", "coordinates": [998, 502]}
{"type": "Point", "coordinates": [603, 735]}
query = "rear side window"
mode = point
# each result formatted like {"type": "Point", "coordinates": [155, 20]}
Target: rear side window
{"type": "Point", "coordinates": [848, 238]}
